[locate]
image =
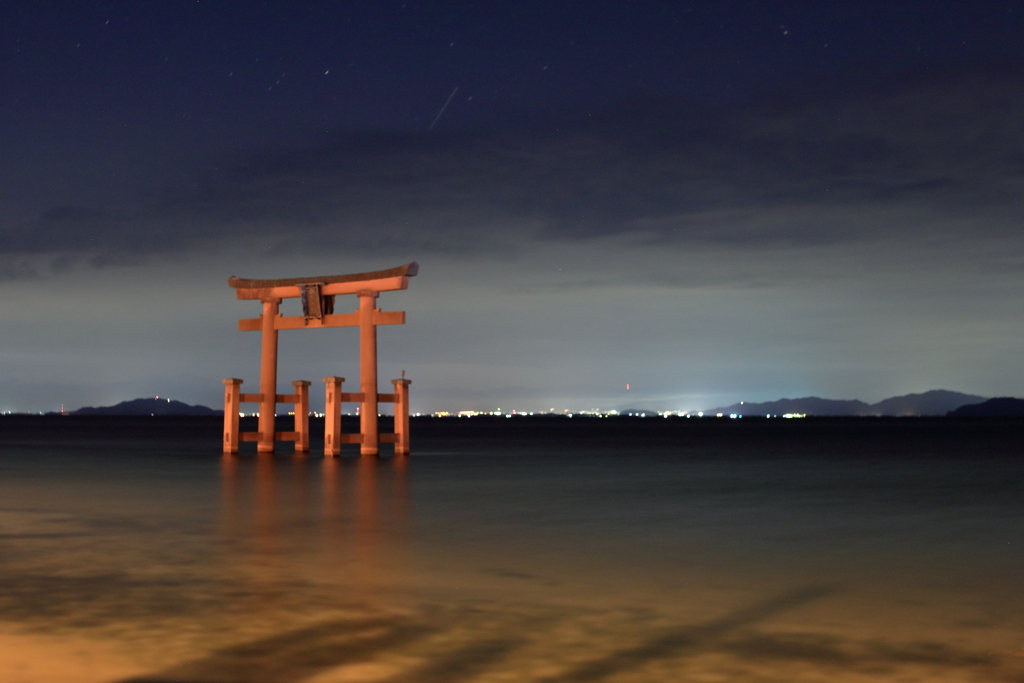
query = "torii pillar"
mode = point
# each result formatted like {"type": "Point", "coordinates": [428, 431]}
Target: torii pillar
{"type": "Point", "coordinates": [268, 376]}
{"type": "Point", "coordinates": [368, 372]}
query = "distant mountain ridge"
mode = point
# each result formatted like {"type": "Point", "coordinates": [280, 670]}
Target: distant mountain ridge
{"type": "Point", "coordinates": [936, 402]}
{"type": "Point", "coordinates": [148, 406]}
{"type": "Point", "coordinates": [994, 407]}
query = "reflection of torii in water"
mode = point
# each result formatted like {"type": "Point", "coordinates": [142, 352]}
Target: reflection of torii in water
{"type": "Point", "coordinates": [317, 295]}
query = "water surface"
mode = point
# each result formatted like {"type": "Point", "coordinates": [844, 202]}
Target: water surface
{"type": "Point", "coordinates": [515, 550]}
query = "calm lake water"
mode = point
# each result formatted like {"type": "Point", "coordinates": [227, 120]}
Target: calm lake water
{"type": "Point", "coordinates": [535, 550]}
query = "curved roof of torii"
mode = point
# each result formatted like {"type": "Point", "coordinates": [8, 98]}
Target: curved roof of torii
{"type": "Point", "coordinates": [408, 270]}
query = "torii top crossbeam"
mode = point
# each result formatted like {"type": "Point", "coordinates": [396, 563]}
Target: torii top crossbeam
{"type": "Point", "coordinates": [378, 281]}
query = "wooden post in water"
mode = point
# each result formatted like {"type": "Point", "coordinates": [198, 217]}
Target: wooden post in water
{"type": "Point", "coordinates": [401, 415]}
{"type": "Point", "coordinates": [332, 416]}
{"type": "Point", "coordinates": [232, 390]}
{"type": "Point", "coordinates": [301, 416]}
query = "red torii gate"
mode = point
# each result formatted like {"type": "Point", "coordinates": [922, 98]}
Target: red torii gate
{"type": "Point", "coordinates": [317, 295]}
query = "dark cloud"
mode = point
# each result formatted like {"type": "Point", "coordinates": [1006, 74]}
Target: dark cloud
{"type": "Point", "coordinates": [934, 155]}
{"type": "Point", "coordinates": [17, 269]}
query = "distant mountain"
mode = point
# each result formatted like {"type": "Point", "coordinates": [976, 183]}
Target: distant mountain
{"type": "Point", "coordinates": [810, 405]}
{"type": "Point", "coordinates": [637, 411]}
{"type": "Point", "coordinates": [148, 406]}
{"type": "Point", "coordinates": [937, 402]}
{"type": "Point", "coordinates": [994, 407]}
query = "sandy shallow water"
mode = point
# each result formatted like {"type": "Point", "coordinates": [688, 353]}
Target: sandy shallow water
{"type": "Point", "coordinates": [460, 567]}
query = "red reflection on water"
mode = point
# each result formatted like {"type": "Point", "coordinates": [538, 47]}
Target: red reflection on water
{"type": "Point", "coordinates": [280, 524]}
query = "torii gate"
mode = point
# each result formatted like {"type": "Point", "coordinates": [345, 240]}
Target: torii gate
{"type": "Point", "coordinates": [317, 294]}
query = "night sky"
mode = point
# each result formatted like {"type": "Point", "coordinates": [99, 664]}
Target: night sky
{"type": "Point", "coordinates": [709, 201]}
